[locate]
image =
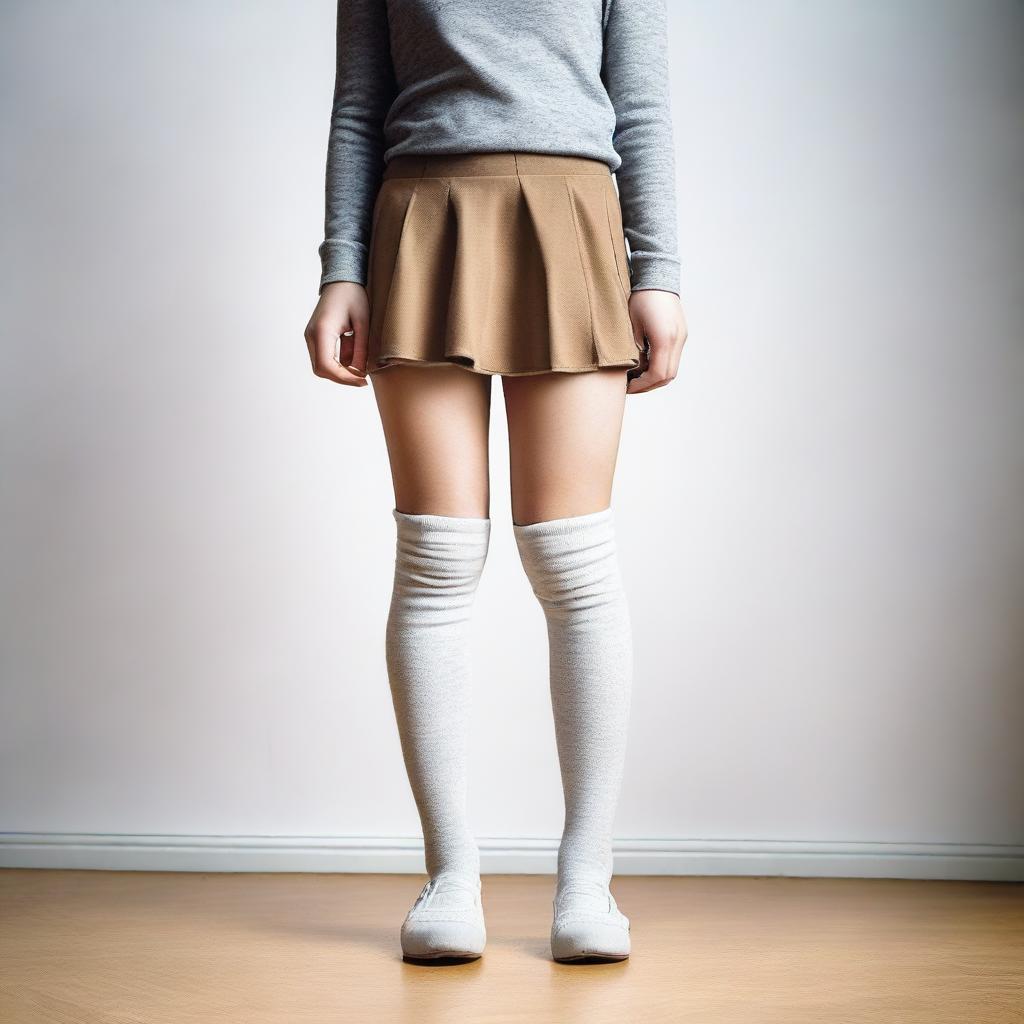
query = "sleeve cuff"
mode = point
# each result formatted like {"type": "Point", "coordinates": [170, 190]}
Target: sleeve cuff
{"type": "Point", "coordinates": [342, 260]}
{"type": "Point", "coordinates": [655, 271]}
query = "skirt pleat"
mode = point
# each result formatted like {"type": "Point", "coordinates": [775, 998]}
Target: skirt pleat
{"type": "Point", "coordinates": [502, 263]}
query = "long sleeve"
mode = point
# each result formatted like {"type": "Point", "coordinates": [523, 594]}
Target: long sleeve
{"type": "Point", "coordinates": [636, 76]}
{"type": "Point", "coordinates": [363, 91]}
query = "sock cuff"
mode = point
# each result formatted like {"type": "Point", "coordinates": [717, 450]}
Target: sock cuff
{"type": "Point", "coordinates": [567, 525]}
{"type": "Point", "coordinates": [572, 562]}
{"type": "Point", "coordinates": [423, 521]}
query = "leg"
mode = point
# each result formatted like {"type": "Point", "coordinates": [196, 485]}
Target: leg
{"type": "Point", "coordinates": [564, 436]}
{"type": "Point", "coordinates": [435, 421]}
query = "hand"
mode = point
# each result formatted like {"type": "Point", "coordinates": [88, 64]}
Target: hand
{"type": "Point", "coordinates": [659, 316]}
{"type": "Point", "coordinates": [343, 313]}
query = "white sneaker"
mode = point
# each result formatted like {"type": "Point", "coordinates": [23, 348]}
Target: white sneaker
{"type": "Point", "coordinates": [446, 921]}
{"type": "Point", "coordinates": [588, 925]}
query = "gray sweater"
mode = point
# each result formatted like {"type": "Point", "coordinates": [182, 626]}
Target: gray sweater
{"type": "Point", "coordinates": [578, 77]}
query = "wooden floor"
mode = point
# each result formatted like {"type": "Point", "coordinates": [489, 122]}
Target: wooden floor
{"type": "Point", "coordinates": [124, 948]}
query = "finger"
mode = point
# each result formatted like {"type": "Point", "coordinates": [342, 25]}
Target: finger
{"type": "Point", "coordinates": [677, 348]}
{"type": "Point", "coordinates": [326, 363]}
{"type": "Point", "coordinates": [638, 339]}
{"type": "Point", "coordinates": [656, 373]}
{"type": "Point", "coordinates": [360, 338]}
{"type": "Point", "coordinates": [644, 383]}
{"type": "Point", "coordinates": [347, 344]}
{"type": "Point", "coordinates": [659, 362]}
{"type": "Point", "coordinates": [340, 375]}
{"type": "Point", "coordinates": [673, 364]}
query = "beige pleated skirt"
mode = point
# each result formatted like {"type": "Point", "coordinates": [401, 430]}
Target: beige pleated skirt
{"type": "Point", "coordinates": [504, 263]}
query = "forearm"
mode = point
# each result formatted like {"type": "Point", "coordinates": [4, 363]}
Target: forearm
{"type": "Point", "coordinates": [364, 88]}
{"type": "Point", "coordinates": [636, 75]}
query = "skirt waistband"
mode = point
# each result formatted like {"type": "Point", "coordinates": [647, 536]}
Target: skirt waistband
{"type": "Point", "coordinates": [460, 165]}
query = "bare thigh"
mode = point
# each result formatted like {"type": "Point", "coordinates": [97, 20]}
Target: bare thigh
{"type": "Point", "coordinates": [435, 421]}
{"type": "Point", "coordinates": [563, 436]}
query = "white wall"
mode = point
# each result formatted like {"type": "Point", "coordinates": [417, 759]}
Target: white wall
{"type": "Point", "coordinates": [820, 520]}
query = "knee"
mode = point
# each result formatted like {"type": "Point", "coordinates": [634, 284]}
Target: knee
{"type": "Point", "coordinates": [572, 562]}
{"type": "Point", "coordinates": [438, 554]}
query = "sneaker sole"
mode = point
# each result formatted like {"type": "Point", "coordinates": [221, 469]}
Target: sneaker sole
{"type": "Point", "coordinates": [441, 959]}
{"type": "Point", "coordinates": [592, 958]}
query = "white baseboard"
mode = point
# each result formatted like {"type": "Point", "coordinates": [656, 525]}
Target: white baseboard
{"type": "Point", "coordinates": [981, 862]}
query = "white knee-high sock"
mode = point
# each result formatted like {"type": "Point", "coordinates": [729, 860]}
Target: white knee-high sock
{"type": "Point", "coordinates": [438, 563]}
{"type": "Point", "coordinates": [572, 565]}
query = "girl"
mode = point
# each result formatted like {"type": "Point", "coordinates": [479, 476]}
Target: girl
{"type": "Point", "coordinates": [488, 161]}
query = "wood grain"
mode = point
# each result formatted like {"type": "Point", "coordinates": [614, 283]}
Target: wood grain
{"type": "Point", "coordinates": [157, 948]}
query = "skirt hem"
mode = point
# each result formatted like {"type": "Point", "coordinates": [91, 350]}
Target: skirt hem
{"type": "Point", "coordinates": [464, 363]}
